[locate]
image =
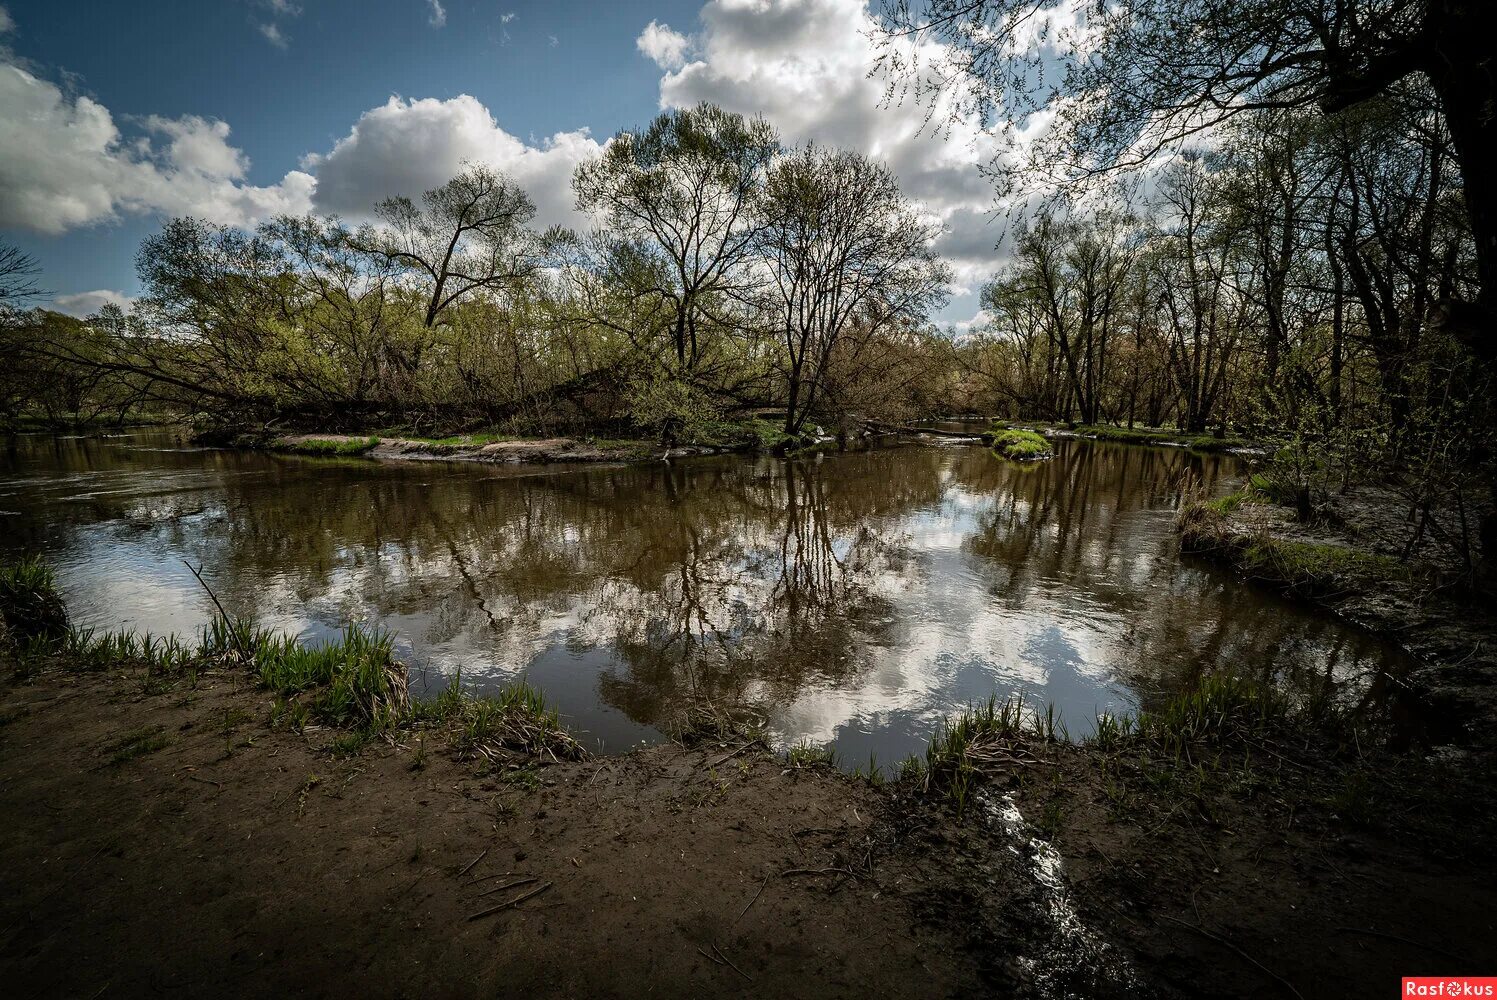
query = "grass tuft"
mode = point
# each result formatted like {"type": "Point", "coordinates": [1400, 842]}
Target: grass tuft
{"type": "Point", "coordinates": [353, 683]}
{"type": "Point", "coordinates": [1021, 446]}
{"type": "Point", "coordinates": [136, 743]}
{"type": "Point", "coordinates": [985, 735]}
{"type": "Point", "coordinates": [326, 447]}
{"type": "Point", "coordinates": [514, 718]}
{"type": "Point", "coordinates": [808, 755]}
{"type": "Point", "coordinates": [1302, 567]}
{"type": "Point", "coordinates": [32, 614]}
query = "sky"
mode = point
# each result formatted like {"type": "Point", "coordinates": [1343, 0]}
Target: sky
{"type": "Point", "coordinates": [115, 117]}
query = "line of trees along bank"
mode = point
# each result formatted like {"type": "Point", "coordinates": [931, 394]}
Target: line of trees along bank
{"type": "Point", "coordinates": [1285, 283]}
{"type": "Point", "coordinates": [724, 274]}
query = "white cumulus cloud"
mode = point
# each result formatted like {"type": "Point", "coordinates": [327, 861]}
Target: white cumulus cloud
{"type": "Point", "coordinates": [804, 65]}
{"type": "Point", "coordinates": [405, 147]}
{"type": "Point", "coordinates": [438, 13]}
{"type": "Point", "coordinates": [662, 44]}
{"type": "Point", "coordinates": [84, 304]}
{"type": "Point", "coordinates": [65, 164]}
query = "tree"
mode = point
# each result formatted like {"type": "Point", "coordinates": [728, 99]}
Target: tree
{"type": "Point", "coordinates": [1198, 262]}
{"type": "Point", "coordinates": [18, 273]}
{"type": "Point", "coordinates": [677, 203]}
{"type": "Point", "coordinates": [846, 254]}
{"type": "Point", "coordinates": [1143, 76]}
{"type": "Point", "coordinates": [472, 234]}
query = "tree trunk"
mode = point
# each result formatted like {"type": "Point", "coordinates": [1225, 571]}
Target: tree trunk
{"type": "Point", "coordinates": [1460, 68]}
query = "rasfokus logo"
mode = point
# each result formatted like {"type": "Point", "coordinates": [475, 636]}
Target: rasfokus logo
{"type": "Point", "coordinates": [1450, 986]}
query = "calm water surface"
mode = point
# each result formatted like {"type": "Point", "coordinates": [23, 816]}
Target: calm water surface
{"type": "Point", "coordinates": [851, 598]}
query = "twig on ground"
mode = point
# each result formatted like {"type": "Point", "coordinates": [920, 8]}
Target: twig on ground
{"type": "Point", "coordinates": [469, 866]}
{"type": "Point", "coordinates": [755, 899]}
{"type": "Point", "coordinates": [730, 964]}
{"type": "Point", "coordinates": [512, 902]}
{"type": "Point", "coordinates": [1408, 941]}
{"type": "Point", "coordinates": [818, 871]}
{"type": "Point", "coordinates": [735, 753]}
{"type": "Point", "coordinates": [507, 885]}
{"type": "Point", "coordinates": [1228, 944]}
{"type": "Point", "coordinates": [485, 878]}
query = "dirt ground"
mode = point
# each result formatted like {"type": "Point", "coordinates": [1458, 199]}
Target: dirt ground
{"type": "Point", "coordinates": [174, 844]}
{"type": "Point", "coordinates": [237, 861]}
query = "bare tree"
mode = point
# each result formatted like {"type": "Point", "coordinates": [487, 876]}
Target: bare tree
{"type": "Point", "coordinates": [677, 201]}
{"type": "Point", "coordinates": [845, 252]}
{"type": "Point", "coordinates": [1137, 78]}
{"type": "Point", "coordinates": [472, 233]}
{"type": "Point", "coordinates": [18, 273]}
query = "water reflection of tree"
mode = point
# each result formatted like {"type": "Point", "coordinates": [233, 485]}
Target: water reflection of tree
{"type": "Point", "coordinates": [722, 580]}
{"type": "Point", "coordinates": [726, 580]}
{"type": "Point", "coordinates": [1081, 528]}
{"type": "Point", "coordinates": [785, 599]}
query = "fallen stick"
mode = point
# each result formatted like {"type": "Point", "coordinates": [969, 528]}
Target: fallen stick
{"type": "Point", "coordinates": [513, 902]}
{"type": "Point", "coordinates": [755, 899]}
{"type": "Point", "coordinates": [817, 871]}
{"type": "Point", "coordinates": [735, 753]}
{"type": "Point", "coordinates": [485, 878]}
{"type": "Point", "coordinates": [1228, 944]}
{"type": "Point", "coordinates": [1408, 941]}
{"type": "Point", "coordinates": [730, 964]}
{"type": "Point", "coordinates": [507, 885]}
{"type": "Point", "coordinates": [469, 866]}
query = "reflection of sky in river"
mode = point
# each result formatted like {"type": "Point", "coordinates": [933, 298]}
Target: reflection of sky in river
{"type": "Point", "coordinates": [855, 599]}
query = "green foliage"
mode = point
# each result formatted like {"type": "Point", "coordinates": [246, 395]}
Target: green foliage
{"type": "Point", "coordinates": [32, 613]}
{"type": "Point", "coordinates": [326, 447]}
{"type": "Point", "coordinates": [765, 435]}
{"type": "Point", "coordinates": [1021, 446]}
{"type": "Point", "coordinates": [514, 716]}
{"type": "Point", "coordinates": [1316, 566]}
{"type": "Point", "coordinates": [672, 407]}
{"type": "Point", "coordinates": [136, 743]}
{"type": "Point", "coordinates": [965, 745]}
{"type": "Point", "coordinates": [1307, 567]}
{"type": "Point", "coordinates": [1222, 710]}
{"type": "Point", "coordinates": [808, 755]}
{"type": "Point", "coordinates": [474, 439]}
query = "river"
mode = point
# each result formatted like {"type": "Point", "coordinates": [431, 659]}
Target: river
{"type": "Point", "coordinates": [852, 599]}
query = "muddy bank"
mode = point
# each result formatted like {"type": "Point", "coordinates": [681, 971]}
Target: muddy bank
{"type": "Point", "coordinates": [1156, 437]}
{"type": "Point", "coordinates": [174, 841]}
{"type": "Point", "coordinates": [550, 450]}
{"type": "Point", "coordinates": [1364, 558]}
{"type": "Point", "coordinates": [509, 451]}
{"type": "Point", "coordinates": [299, 864]}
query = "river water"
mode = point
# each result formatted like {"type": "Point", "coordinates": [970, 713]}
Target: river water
{"type": "Point", "coordinates": [849, 598]}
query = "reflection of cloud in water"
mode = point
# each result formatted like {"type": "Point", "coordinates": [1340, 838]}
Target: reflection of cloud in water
{"type": "Point", "coordinates": [859, 598]}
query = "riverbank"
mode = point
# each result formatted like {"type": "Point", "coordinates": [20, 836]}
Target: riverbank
{"type": "Point", "coordinates": [1365, 559]}
{"type": "Point", "coordinates": [1159, 437]}
{"type": "Point", "coordinates": [501, 447]}
{"type": "Point", "coordinates": [751, 436]}
{"type": "Point", "coordinates": [320, 836]}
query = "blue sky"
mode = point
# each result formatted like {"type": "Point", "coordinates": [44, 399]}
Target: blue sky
{"type": "Point", "coordinates": [254, 106]}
